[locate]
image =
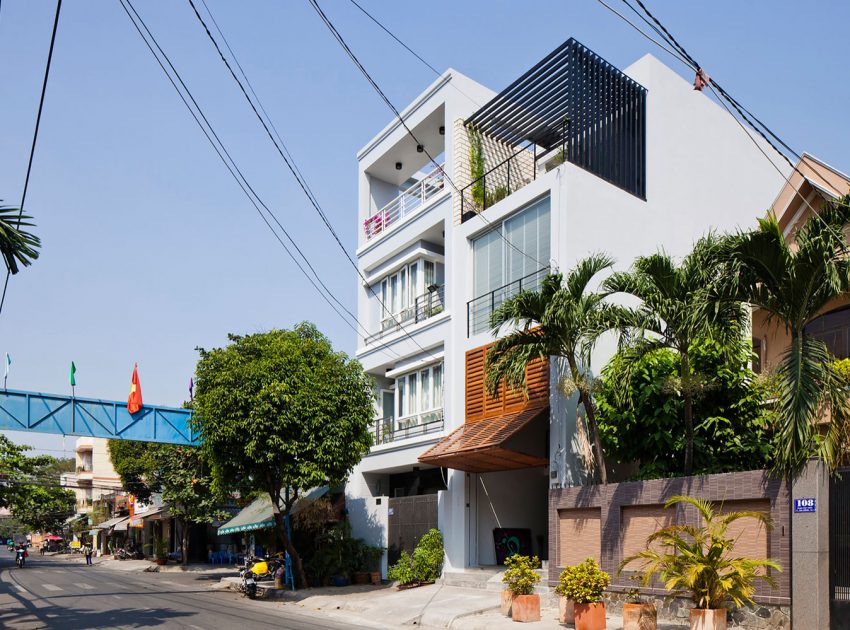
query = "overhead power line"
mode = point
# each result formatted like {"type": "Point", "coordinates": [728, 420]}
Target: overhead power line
{"type": "Point", "coordinates": [286, 155]}
{"type": "Point", "coordinates": [231, 165]}
{"type": "Point", "coordinates": [341, 41]}
{"type": "Point", "coordinates": [35, 136]}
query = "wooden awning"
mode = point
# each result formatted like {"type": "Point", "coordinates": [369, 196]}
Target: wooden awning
{"type": "Point", "coordinates": [482, 446]}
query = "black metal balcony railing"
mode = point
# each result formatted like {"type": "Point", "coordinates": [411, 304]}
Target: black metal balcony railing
{"type": "Point", "coordinates": [479, 310]}
{"type": "Point", "coordinates": [424, 307]}
{"type": "Point", "coordinates": [388, 430]}
{"type": "Point", "coordinates": [573, 106]}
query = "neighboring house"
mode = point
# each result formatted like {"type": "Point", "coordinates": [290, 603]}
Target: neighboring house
{"type": "Point", "coordinates": [807, 188]}
{"type": "Point", "coordinates": [94, 477]}
{"type": "Point", "coordinates": [579, 157]}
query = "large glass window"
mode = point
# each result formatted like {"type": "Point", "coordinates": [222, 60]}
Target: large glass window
{"type": "Point", "coordinates": [510, 258]}
{"type": "Point", "coordinates": [406, 291]}
{"type": "Point", "coordinates": [420, 394]}
{"type": "Point", "coordinates": [834, 330]}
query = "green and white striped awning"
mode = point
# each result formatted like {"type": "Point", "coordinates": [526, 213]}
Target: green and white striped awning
{"type": "Point", "coordinates": [259, 515]}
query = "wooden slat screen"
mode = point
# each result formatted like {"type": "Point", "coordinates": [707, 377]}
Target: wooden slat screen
{"type": "Point", "coordinates": [480, 404]}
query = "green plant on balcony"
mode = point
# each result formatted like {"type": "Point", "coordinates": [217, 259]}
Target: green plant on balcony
{"type": "Point", "coordinates": [476, 167]}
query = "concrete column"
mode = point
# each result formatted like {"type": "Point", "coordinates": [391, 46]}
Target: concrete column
{"type": "Point", "coordinates": [810, 550]}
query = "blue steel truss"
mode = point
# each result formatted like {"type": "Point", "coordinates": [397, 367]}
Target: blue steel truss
{"type": "Point", "coordinates": [90, 417]}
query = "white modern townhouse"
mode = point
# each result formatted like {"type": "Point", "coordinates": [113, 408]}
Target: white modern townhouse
{"type": "Point", "coordinates": [495, 191]}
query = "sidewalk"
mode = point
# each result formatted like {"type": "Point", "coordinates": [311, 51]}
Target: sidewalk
{"type": "Point", "coordinates": [434, 606]}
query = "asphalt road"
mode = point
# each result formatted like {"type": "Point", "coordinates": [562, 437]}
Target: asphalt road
{"type": "Point", "coordinates": [57, 593]}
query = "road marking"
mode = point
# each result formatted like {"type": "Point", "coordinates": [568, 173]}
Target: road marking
{"type": "Point", "coordinates": [85, 586]}
{"type": "Point", "coordinates": [51, 587]}
{"type": "Point", "coordinates": [169, 582]}
{"type": "Point", "coordinates": [196, 627]}
{"type": "Point", "coordinates": [21, 589]}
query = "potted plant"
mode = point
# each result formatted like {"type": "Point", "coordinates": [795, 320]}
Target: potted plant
{"type": "Point", "coordinates": [520, 578]}
{"type": "Point", "coordinates": [698, 562]}
{"type": "Point", "coordinates": [566, 606]}
{"type": "Point", "coordinates": [402, 572]}
{"type": "Point", "coordinates": [584, 584]}
{"type": "Point", "coordinates": [160, 551]}
{"type": "Point", "coordinates": [372, 563]}
{"type": "Point", "coordinates": [637, 613]}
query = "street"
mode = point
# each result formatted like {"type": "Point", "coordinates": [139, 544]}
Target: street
{"type": "Point", "coordinates": [57, 593]}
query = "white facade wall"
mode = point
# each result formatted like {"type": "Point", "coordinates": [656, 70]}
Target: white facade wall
{"type": "Point", "coordinates": [703, 173]}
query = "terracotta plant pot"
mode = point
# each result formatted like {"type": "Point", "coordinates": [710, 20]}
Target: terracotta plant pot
{"type": "Point", "coordinates": [526, 608]}
{"type": "Point", "coordinates": [590, 616]}
{"type": "Point", "coordinates": [375, 578]}
{"type": "Point", "coordinates": [639, 617]}
{"type": "Point", "coordinates": [708, 619]}
{"type": "Point", "coordinates": [566, 610]}
{"type": "Point", "coordinates": [361, 577]}
{"type": "Point", "coordinates": [161, 561]}
{"type": "Point", "coordinates": [507, 601]}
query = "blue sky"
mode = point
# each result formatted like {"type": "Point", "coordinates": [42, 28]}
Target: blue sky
{"type": "Point", "coordinates": [150, 249]}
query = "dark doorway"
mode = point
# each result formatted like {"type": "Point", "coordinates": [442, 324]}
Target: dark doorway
{"type": "Point", "coordinates": [839, 550]}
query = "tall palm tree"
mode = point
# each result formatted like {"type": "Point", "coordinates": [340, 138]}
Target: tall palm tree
{"type": "Point", "coordinates": [677, 308]}
{"type": "Point", "coordinates": [17, 245]}
{"type": "Point", "coordinates": [562, 319]}
{"type": "Point", "coordinates": [793, 283]}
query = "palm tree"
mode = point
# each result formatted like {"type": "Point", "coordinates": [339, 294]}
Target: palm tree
{"type": "Point", "coordinates": [16, 245]}
{"type": "Point", "coordinates": [793, 284]}
{"type": "Point", "coordinates": [699, 561]}
{"type": "Point", "coordinates": [678, 308]}
{"type": "Point", "coordinates": [562, 319]}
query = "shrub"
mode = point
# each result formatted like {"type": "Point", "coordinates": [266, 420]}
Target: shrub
{"type": "Point", "coordinates": [521, 575]}
{"type": "Point", "coordinates": [428, 556]}
{"type": "Point", "coordinates": [700, 561]}
{"type": "Point", "coordinates": [583, 583]}
{"type": "Point", "coordinates": [402, 571]}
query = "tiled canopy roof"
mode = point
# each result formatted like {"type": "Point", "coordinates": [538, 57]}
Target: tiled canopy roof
{"type": "Point", "coordinates": [480, 446]}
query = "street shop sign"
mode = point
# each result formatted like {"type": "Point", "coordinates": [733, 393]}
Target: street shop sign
{"type": "Point", "coordinates": [805, 505]}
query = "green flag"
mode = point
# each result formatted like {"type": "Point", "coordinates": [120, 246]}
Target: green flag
{"type": "Point", "coordinates": [71, 378]}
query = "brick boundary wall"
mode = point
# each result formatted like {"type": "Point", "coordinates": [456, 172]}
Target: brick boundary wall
{"type": "Point", "coordinates": [611, 499]}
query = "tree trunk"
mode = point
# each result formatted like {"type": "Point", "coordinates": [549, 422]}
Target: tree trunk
{"type": "Point", "coordinates": [297, 567]}
{"type": "Point", "coordinates": [590, 412]}
{"type": "Point", "coordinates": [688, 395]}
{"type": "Point", "coordinates": [184, 535]}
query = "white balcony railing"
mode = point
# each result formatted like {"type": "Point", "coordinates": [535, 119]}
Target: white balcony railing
{"type": "Point", "coordinates": [388, 430]}
{"type": "Point", "coordinates": [405, 204]}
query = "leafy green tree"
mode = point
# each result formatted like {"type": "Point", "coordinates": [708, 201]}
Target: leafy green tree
{"type": "Point", "coordinates": [733, 429]}
{"type": "Point", "coordinates": [16, 244]}
{"type": "Point", "coordinates": [793, 283]}
{"type": "Point", "coordinates": [29, 487]}
{"type": "Point", "coordinates": [282, 412]}
{"type": "Point", "coordinates": [180, 473]}
{"type": "Point", "coordinates": [9, 527]}
{"type": "Point", "coordinates": [678, 306]}
{"type": "Point", "coordinates": [563, 319]}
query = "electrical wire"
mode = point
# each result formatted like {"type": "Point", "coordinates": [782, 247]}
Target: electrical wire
{"type": "Point", "coordinates": [341, 41]}
{"type": "Point", "coordinates": [34, 136]}
{"type": "Point", "coordinates": [286, 155]}
{"type": "Point", "coordinates": [230, 164]}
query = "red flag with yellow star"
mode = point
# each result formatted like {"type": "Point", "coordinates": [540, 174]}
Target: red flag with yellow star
{"type": "Point", "coordinates": [134, 402]}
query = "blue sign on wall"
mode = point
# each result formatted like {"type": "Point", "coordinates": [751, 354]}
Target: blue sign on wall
{"type": "Point", "coordinates": [805, 505]}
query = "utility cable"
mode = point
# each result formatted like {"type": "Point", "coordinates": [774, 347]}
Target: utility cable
{"type": "Point", "coordinates": [231, 166]}
{"type": "Point", "coordinates": [296, 173]}
{"type": "Point", "coordinates": [341, 41]}
{"type": "Point", "coordinates": [34, 136]}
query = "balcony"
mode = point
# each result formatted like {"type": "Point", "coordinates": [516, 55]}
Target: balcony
{"type": "Point", "coordinates": [389, 430]}
{"type": "Point", "coordinates": [424, 307]}
{"type": "Point", "coordinates": [479, 310]}
{"type": "Point", "coordinates": [406, 204]}
{"type": "Point", "coordinates": [573, 106]}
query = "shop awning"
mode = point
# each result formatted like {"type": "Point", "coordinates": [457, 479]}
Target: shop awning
{"type": "Point", "coordinates": [259, 515]}
{"type": "Point", "coordinates": [111, 522]}
{"type": "Point", "coordinates": [55, 538]}
{"type": "Point", "coordinates": [121, 526]}
{"type": "Point", "coordinates": [488, 445]}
